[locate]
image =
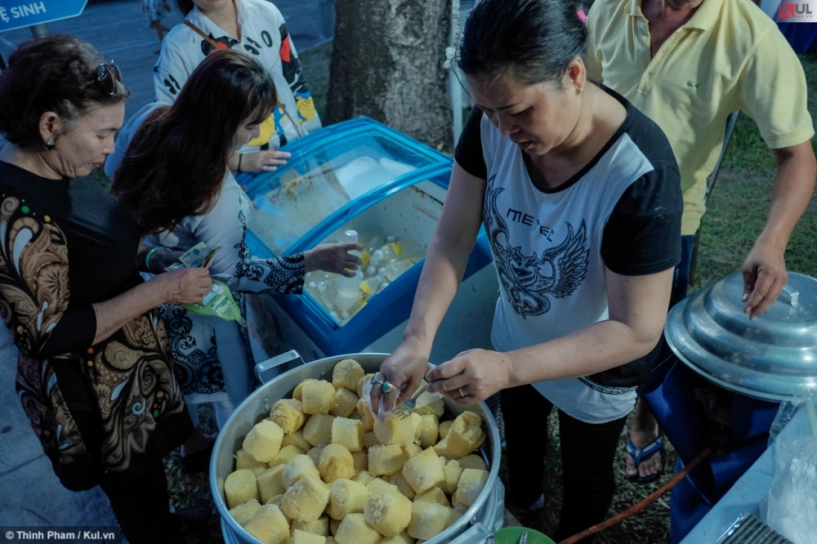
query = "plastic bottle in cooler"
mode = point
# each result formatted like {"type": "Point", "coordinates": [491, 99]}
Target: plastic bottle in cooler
{"type": "Point", "coordinates": [348, 294]}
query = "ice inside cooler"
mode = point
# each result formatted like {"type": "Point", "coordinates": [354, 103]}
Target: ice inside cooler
{"type": "Point", "coordinates": [395, 234]}
{"type": "Point", "coordinates": [290, 202]}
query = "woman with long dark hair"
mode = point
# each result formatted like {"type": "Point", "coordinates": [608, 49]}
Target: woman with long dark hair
{"type": "Point", "coordinates": [94, 373]}
{"type": "Point", "coordinates": [580, 195]}
{"type": "Point", "coordinates": [170, 171]}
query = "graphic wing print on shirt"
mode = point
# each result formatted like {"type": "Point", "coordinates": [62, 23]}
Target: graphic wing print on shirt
{"type": "Point", "coordinates": [529, 279]}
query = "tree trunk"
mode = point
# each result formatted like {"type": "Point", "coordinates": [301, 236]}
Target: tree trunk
{"type": "Point", "coordinates": [387, 64]}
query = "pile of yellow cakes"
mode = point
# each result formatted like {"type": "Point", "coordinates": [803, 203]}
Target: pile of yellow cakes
{"type": "Point", "coordinates": [321, 470]}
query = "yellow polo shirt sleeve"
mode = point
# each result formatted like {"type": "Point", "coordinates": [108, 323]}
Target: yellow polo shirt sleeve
{"type": "Point", "coordinates": [772, 90]}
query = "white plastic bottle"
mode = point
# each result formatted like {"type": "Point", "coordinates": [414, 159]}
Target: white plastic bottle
{"type": "Point", "coordinates": [349, 288]}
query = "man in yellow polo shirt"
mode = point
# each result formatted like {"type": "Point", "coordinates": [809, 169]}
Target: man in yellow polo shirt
{"type": "Point", "coordinates": [688, 64]}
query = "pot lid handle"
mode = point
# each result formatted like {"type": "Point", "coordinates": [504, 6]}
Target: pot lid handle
{"type": "Point", "coordinates": [792, 296]}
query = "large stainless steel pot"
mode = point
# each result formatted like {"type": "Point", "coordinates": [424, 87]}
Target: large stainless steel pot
{"type": "Point", "coordinates": [477, 525]}
{"type": "Point", "coordinates": [773, 357]}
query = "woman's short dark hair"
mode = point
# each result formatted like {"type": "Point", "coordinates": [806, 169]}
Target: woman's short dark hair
{"type": "Point", "coordinates": [185, 6]}
{"type": "Point", "coordinates": [175, 164]}
{"type": "Point", "coordinates": [56, 73]}
{"type": "Point", "coordinates": [535, 39]}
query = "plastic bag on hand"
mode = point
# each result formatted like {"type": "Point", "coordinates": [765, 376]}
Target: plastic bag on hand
{"type": "Point", "coordinates": [383, 412]}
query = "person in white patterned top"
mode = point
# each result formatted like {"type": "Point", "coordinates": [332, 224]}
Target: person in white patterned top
{"type": "Point", "coordinates": [170, 171]}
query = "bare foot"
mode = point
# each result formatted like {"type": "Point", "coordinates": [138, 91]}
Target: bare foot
{"type": "Point", "coordinates": [643, 432]}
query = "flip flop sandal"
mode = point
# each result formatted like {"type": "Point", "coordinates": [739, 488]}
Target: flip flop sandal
{"type": "Point", "coordinates": [639, 454]}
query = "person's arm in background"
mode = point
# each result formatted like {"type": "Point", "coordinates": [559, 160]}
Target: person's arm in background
{"type": "Point", "coordinates": [772, 91]}
{"type": "Point", "coordinates": [225, 226]}
{"type": "Point", "coordinates": [764, 270]}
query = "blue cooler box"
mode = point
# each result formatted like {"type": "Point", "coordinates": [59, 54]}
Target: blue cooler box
{"type": "Point", "coordinates": [364, 176]}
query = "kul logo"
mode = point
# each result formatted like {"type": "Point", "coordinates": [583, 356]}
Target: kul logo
{"type": "Point", "coordinates": [793, 11]}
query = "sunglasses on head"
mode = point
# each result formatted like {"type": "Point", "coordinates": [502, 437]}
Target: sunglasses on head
{"type": "Point", "coordinates": [107, 76]}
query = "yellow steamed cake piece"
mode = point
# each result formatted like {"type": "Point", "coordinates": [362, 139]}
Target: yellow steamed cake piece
{"type": "Point", "coordinates": [354, 529]}
{"type": "Point", "coordinates": [318, 397]}
{"type": "Point", "coordinates": [243, 460]}
{"type": "Point", "coordinates": [444, 428]}
{"type": "Point", "coordinates": [360, 382]}
{"type": "Point", "coordinates": [297, 393]}
{"type": "Point", "coordinates": [428, 403]}
{"type": "Point", "coordinates": [277, 500]}
{"type": "Point", "coordinates": [347, 374]}
{"type": "Point", "coordinates": [389, 514]}
{"type": "Point", "coordinates": [345, 403]}
{"type": "Point", "coordinates": [269, 525]}
{"type": "Point", "coordinates": [435, 494]}
{"type": "Point", "coordinates": [288, 414]}
{"type": "Point", "coordinates": [301, 537]}
{"type": "Point", "coordinates": [240, 487]}
{"type": "Point", "coordinates": [366, 416]}
{"type": "Point", "coordinates": [297, 468]}
{"type": "Point", "coordinates": [370, 439]}
{"type": "Point", "coordinates": [424, 471]}
{"type": "Point", "coordinates": [334, 525]}
{"type": "Point", "coordinates": [464, 437]}
{"type": "Point", "coordinates": [346, 497]}
{"type": "Point", "coordinates": [243, 513]}
{"type": "Point", "coordinates": [264, 440]}
{"type": "Point", "coordinates": [385, 460]}
{"type": "Point", "coordinates": [336, 462]}
{"type": "Point", "coordinates": [318, 526]}
{"type": "Point", "coordinates": [428, 519]}
{"type": "Point", "coordinates": [452, 472]}
{"type": "Point", "coordinates": [395, 431]}
{"type": "Point", "coordinates": [306, 499]}
{"type": "Point", "coordinates": [361, 461]}
{"type": "Point", "coordinates": [469, 487]}
{"type": "Point", "coordinates": [271, 483]}
{"type": "Point", "coordinates": [378, 486]}
{"type": "Point", "coordinates": [364, 477]}
{"type": "Point", "coordinates": [349, 433]}
{"type": "Point", "coordinates": [285, 455]}
{"type": "Point", "coordinates": [473, 461]}
{"type": "Point", "coordinates": [315, 454]}
{"type": "Point", "coordinates": [427, 430]}
{"type": "Point", "coordinates": [400, 481]}
{"type": "Point", "coordinates": [410, 450]}
{"type": "Point", "coordinates": [402, 538]}
{"type": "Point", "coordinates": [296, 439]}
{"type": "Point", "coordinates": [331, 540]}
{"type": "Point", "coordinates": [318, 429]}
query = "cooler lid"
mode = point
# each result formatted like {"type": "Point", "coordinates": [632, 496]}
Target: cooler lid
{"type": "Point", "coordinates": [328, 170]}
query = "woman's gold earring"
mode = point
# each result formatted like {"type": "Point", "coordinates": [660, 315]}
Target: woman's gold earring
{"type": "Point", "coordinates": [581, 89]}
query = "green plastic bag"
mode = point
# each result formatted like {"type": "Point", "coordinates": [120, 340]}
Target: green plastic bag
{"type": "Point", "coordinates": [219, 302]}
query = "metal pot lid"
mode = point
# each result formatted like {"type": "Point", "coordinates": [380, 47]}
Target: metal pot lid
{"type": "Point", "coordinates": [772, 358]}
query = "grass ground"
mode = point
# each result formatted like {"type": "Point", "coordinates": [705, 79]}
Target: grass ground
{"type": "Point", "coordinates": [736, 214]}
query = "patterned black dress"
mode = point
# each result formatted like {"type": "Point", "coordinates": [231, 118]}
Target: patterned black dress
{"type": "Point", "coordinates": [65, 245]}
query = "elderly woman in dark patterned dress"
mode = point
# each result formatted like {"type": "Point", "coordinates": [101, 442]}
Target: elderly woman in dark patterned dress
{"type": "Point", "coordinates": [94, 375]}
{"type": "Point", "coordinates": [170, 171]}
